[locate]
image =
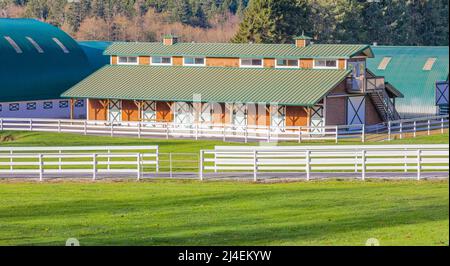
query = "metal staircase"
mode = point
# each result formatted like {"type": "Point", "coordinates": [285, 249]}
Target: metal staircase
{"type": "Point", "coordinates": [377, 90]}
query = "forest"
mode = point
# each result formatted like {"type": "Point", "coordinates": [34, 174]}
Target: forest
{"type": "Point", "coordinates": [386, 22]}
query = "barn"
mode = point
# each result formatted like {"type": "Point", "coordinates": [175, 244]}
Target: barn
{"type": "Point", "coordinates": [39, 62]}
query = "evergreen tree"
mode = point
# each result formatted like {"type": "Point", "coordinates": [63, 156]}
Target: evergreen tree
{"type": "Point", "coordinates": [258, 25]}
{"type": "Point", "coordinates": [200, 19]}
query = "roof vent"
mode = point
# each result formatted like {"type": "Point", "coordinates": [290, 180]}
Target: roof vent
{"type": "Point", "coordinates": [384, 63]}
{"type": "Point", "coordinates": [429, 64]}
{"type": "Point", "coordinates": [13, 44]}
{"type": "Point", "coordinates": [302, 41]}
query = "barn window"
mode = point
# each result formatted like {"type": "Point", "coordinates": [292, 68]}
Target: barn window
{"type": "Point", "coordinates": [48, 105]}
{"type": "Point", "coordinates": [429, 64]}
{"type": "Point", "coordinates": [287, 63]}
{"type": "Point", "coordinates": [63, 104]}
{"type": "Point", "coordinates": [35, 44]}
{"type": "Point", "coordinates": [248, 62]}
{"type": "Point", "coordinates": [128, 60]}
{"type": "Point", "coordinates": [61, 45]}
{"type": "Point", "coordinates": [194, 61]}
{"type": "Point", "coordinates": [13, 44]}
{"type": "Point", "coordinates": [31, 106]}
{"type": "Point", "coordinates": [13, 107]}
{"type": "Point", "coordinates": [384, 63]}
{"type": "Point", "coordinates": [161, 60]}
{"type": "Point", "coordinates": [325, 64]}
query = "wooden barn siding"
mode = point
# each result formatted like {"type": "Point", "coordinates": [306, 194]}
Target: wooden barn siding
{"type": "Point", "coordinates": [96, 111]}
{"type": "Point", "coordinates": [114, 60]}
{"type": "Point", "coordinates": [296, 116]}
{"type": "Point", "coordinates": [130, 111]}
{"type": "Point", "coordinates": [164, 112]}
{"type": "Point", "coordinates": [144, 60]}
{"type": "Point", "coordinates": [177, 60]}
{"type": "Point", "coordinates": [372, 115]}
{"type": "Point", "coordinates": [222, 62]}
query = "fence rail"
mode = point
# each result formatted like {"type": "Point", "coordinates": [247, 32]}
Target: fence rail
{"type": "Point", "coordinates": [225, 132]}
{"type": "Point", "coordinates": [91, 160]}
{"type": "Point", "coordinates": [317, 159]}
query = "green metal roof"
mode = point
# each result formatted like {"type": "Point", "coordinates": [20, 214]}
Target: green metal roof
{"type": "Point", "coordinates": [31, 75]}
{"type": "Point", "coordinates": [238, 50]}
{"type": "Point", "coordinates": [214, 84]}
{"type": "Point", "coordinates": [405, 72]}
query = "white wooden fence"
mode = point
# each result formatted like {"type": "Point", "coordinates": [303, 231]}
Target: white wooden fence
{"type": "Point", "coordinates": [225, 132]}
{"type": "Point", "coordinates": [92, 160]}
{"type": "Point", "coordinates": [319, 159]}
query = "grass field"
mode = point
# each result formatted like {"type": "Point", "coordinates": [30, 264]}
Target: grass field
{"type": "Point", "coordinates": [12, 138]}
{"type": "Point", "coordinates": [177, 212]}
{"type": "Point", "coordinates": [225, 213]}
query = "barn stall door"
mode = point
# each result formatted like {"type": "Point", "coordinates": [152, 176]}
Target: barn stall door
{"type": "Point", "coordinates": [184, 115]}
{"type": "Point", "coordinates": [239, 115]}
{"type": "Point", "coordinates": [115, 111]}
{"type": "Point", "coordinates": [356, 110]}
{"type": "Point", "coordinates": [278, 117]}
{"type": "Point", "coordinates": [317, 119]}
{"type": "Point", "coordinates": [206, 113]}
{"type": "Point", "coordinates": [149, 111]}
{"type": "Point", "coordinates": [441, 93]}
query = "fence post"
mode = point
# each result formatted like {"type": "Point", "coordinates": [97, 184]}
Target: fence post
{"type": "Point", "coordinates": [429, 127]}
{"type": "Point", "coordinates": [202, 154]}
{"type": "Point", "coordinates": [41, 167]}
{"type": "Point", "coordinates": [401, 130]}
{"type": "Point", "coordinates": [308, 165]}
{"type": "Point", "coordinates": [415, 128]}
{"type": "Point", "coordinates": [299, 134]}
{"type": "Point", "coordinates": [112, 128]}
{"type": "Point", "coordinates": [94, 166]}
{"type": "Point", "coordinates": [255, 165]}
{"type": "Point", "coordinates": [170, 165]}
{"type": "Point", "coordinates": [59, 161]}
{"type": "Point", "coordinates": [157, 160]}
{"type": "Point", "coordinates": [167, 130]}
{"type": "Point", "coordinates": [419, 164]}
{"type": "Point", "coordinates": [442, 125]}
{"type": "Point", "coordinates": [1, 124]}
{"type": "Point", "coordinates": [196, 131]}
{"type": "Point", "coordinates": [246, 133]}
{"type": "Point", "coordinates": [389, 131]}
{"type": "Point", "coordinates": [31, 124]}
{"type": "Point", "coordinates": [139, 129]}
{"type": "Point", "coordinates": [337, 133]}
{"type": "Point", "coordinates": [363, 133]}
{"type": "Point", "coordinates": [223, 130]}
{"type": "Point", "coordinates": [406, 160]}
{"type": "Point", "coordinates": [363, 169]}
{"type": "Point", "coordinates": [59, 126]}
{"type": "Point", "coordinates": [138, 164]}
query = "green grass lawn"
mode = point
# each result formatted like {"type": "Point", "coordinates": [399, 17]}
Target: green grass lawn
{"type": "Point", "coordinates": [12, 138]}
{"type": "Point", "coordinates": [225, 213]}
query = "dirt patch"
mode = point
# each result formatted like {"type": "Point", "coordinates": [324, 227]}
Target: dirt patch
{"type": "Point", "coordinates": [7, 138]}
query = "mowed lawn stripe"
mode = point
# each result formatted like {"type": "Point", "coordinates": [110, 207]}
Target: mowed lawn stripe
{"type": "Point", "coordinates": [224, 213]}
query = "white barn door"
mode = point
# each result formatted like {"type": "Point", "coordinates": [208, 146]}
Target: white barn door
{"type": "Point", "coordinates": [115, 111]}
{"type": "Point", "coordinates": [278, 117]}
{"type": "Point", "coordinates": [239, 116]}
{"type": "Point", "coordinates": [356, 110]}
{"type": "Point", "coordinates": [184, 114]}
{"type": "Point", "coordinates": [149, 111]}
{"type": "Point", "coordinates": [317, 119]}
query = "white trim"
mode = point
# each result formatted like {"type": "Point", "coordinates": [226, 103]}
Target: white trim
{"type": "Point", "coordinates": [195, 57]}
{"type": "Point", "coordinates": [161, 64]}
{"type": "Point", "coordinates": [325, 67]}
{"type": "Point", "coordinates": [247, 66]}
{"type": "Point", "coordinates": [128, 63]}
{"type": "Point", "coordinates": [292, 67]}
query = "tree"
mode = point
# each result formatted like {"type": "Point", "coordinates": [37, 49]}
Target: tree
{"type": "Point", "coordinates": [200, 19]}
{"type": "Point", "coordinates": [93, 28]}
{"type": "Point", "coordinates": [258, 26]}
